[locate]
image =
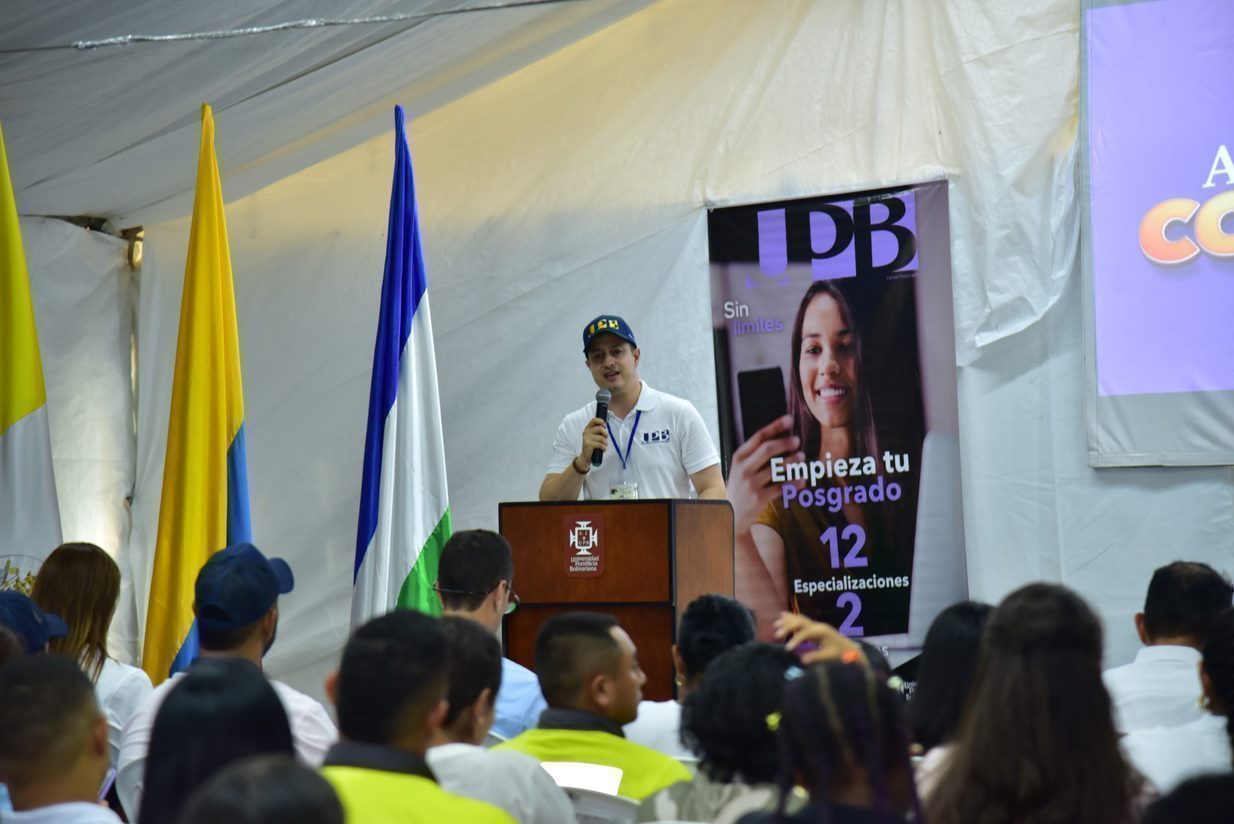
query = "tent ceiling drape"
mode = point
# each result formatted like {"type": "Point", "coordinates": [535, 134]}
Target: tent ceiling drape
{"type": "Point", "coordinates": [105, 132]}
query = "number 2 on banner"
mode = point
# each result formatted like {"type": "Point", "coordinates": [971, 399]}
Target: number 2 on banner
{"type": "Point", "coordinates": [853, 557]}
{"type": "Point", "coordinates": [850, 627]}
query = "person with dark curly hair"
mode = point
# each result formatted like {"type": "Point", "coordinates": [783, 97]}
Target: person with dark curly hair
{"type": "Point", "coordinates": [711, 625]}
{"type": "Point", "coordinates": [730, 720]}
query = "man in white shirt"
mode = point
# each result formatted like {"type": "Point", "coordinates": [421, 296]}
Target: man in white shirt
{"type": "Point", "coordinates": [1161, 687]}
{"type": "Point", "coordinates": [236, 607]}
{"type": "Point", "coordinates": [54, 752]}
{"type": "Point", "coordinates": [510, 780]}
{"type": "Point", "coordinates": [475, 579]}
{"type": "Point", "coordinates": [659, 444]}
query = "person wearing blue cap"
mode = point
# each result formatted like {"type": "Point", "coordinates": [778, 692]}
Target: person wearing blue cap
{"type": "Point", "coordinates": [236, 607]}
{"type": "Point", "coordinates": [651, 444]}
{"type": "Point", "coordinates": [29, 623]}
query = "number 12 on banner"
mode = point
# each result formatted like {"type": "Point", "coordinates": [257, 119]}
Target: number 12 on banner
{"type": "Point", "coordinates": [856, 536]}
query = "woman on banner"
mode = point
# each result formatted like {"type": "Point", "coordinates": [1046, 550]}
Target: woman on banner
{"type": "Point", "coordinates": [838, 549]}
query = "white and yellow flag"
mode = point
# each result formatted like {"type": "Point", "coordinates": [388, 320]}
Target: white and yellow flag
{"type": "Point", "coordinates": [29, 512]}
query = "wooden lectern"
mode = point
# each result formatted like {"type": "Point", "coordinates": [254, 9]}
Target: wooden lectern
{"type": "Point", "coordinates": [641, 561]}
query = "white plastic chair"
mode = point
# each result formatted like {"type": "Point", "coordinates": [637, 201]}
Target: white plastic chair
{"type": "Point", "coordinates": [579, 775]}
{"type": "Point", "coordinates": [591, 807]}
{"type": "Point", "coordinates": [690, 764]}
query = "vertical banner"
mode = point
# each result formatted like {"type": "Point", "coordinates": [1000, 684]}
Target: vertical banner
{"type": "Point", "coordinates": [835, 347]}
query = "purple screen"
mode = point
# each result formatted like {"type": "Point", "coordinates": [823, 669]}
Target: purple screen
{"type": "Point", "coordinates": [1160, 115]}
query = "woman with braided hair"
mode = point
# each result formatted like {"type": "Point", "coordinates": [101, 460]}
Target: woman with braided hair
{"type": "Point", "coordinates": [843, 739]}
{"type": "Point", "coordinates": [1170, 755]}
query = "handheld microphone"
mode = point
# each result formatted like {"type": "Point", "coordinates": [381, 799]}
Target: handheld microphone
{"type": "Point", "coordinates": [603, 396]}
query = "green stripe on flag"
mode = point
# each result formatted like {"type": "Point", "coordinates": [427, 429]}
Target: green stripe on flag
{"type": "Point", "coordinates": [417, 591]}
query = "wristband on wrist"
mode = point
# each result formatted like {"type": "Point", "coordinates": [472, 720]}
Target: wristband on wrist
{"type": "Point", "coordinates": [574, 466]}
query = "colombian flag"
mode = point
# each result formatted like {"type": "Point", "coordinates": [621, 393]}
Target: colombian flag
{"type": "Point", "coordinates": [29, 512]}
{"type": "Point", "coordinates": [205, 502]}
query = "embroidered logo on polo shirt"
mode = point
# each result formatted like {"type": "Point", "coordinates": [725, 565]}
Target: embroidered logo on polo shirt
{"type": "Point", "coordinates": [656, 437]}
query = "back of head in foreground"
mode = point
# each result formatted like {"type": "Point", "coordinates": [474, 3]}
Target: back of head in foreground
{"type": "Point", "coordinates": [470, 574]}
{"type": "Point", "coordinates": [475, 678]}
{"type": "Point", "coordinates": [1183, 600]}
{"type": "Point", "coordinates": [949, 658]}
{"type": "Point", "coordinates": [223, 710]}
{"type": "Point", "coordinates": [54, 739]}
{"type": "Point", "coordinates": [710, 626]}
{"type": "Point", "coordinates": [724, 719]}
{"type": "Point", "coordinates": [1037, 743]}
{"type": "Point", "coordinates": [390, 687]}
{"type": "Point", "coordinates": [843, 737]}
{"type": "Point", "coordinates": [80, 583]}
{"type": "Point", "coordinates": [1208, 799]}
{"type": "Point", "coordinates": [266, 789]}
{"type": "Point", "coordinates": [585, 661]}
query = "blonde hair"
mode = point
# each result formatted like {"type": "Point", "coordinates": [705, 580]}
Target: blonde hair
{"type": "Point", "coordinates": [80, 583]}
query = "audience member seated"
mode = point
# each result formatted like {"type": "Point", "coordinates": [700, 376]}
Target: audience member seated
{"type": "Point", "coordinates": [236, 607]}
{"type": "Point", "coordinates": [510, 780]}
{"type": "Point", "coordinates": [265, 789]}
{"type": "Point", "coordinates": [390, 696]}
{"type": "Point", "coordinates": [1169, 755]}
{"type": "Point", "coordinates": [223, 710]}
{"type": "Point", "coordinates": [944, 681]}
{"type": "Point", "coordinates": [31, 625]}
{"type": "Point", "coordinates": [725, 720]}
{"type": "Point", "coordinates": [10, 645]}
{"type": "Point", "coordinates": [81, 583]}
{"type": "Point", "coordinates": [589, 674]}
{"type": "Point", "coordinates": [1037, 742]}
{"type": "Point", "coordinates": [711, 624]}
{"type": "Point", "coordinates": [475, 580]}
{"type": "Point", "coordinates": [844, 740]}
{"type": "Point", "coordinates": [1205, 800]}
{"type": "Point", "coordinates": [1161, 687]}
{"type": "Point", "coordinates": [53, 743]}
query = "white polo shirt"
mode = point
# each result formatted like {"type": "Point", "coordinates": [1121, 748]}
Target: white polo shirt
{"type": "Point", "coordinates": [1168, 756]}
{"type": "Point", "coordinates": [670, 443]}
{"type": "Point", "coordinates": [1160, 688]}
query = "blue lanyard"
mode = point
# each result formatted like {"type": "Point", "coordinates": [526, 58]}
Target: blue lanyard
{"type": "Point", "coordinates": [629, 444]}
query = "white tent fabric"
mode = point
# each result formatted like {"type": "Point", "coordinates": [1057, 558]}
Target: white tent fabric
{"type": "Point", "coordinates": [292, 98]}
{"type": "Point", "coordinates": [83, 304]}
{"type": "Point", "coordinates": [578, 184]}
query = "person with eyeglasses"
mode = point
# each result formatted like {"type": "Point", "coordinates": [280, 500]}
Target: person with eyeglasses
{"type": "Point", "coordinates": [475, 581]}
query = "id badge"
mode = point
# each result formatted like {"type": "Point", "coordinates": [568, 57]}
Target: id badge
{"type": "Point", "coordinates": [623, 492]}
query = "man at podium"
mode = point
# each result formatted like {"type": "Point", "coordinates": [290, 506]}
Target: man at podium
{"type": "Point", "coordinates": [659, 444]}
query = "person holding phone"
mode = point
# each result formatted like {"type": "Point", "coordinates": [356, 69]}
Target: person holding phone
{"type": "Point", "coordinates": [781, 541]}
{"type": "Point", "coordinates": [651, 444]}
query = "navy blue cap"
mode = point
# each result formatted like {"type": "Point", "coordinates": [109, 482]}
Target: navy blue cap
{"type": "Point", "coordinates": [237, 586]}
{"type": "Point", "coordinates": [23, 616]}
{"type": "Point", "coordinates": [607, 324]}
